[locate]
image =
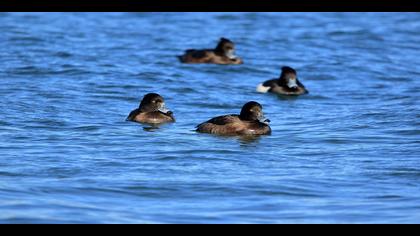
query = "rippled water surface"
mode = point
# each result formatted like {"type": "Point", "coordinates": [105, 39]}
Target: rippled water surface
{"type": "Point", "coordinates": [347, 152]}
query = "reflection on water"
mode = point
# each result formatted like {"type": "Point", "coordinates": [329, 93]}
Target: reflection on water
{"type": "Point", "coordinates": [246, 140]}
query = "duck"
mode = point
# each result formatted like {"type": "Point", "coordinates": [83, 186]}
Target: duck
{"type": "Point", "coordinates": [152, 110]}
{"type": "Point", "coordinates": [250, 121]}
{"type": "Point", "coordinates": [223, 54]}
{"type": "Point", "coordinates": [286, 84]}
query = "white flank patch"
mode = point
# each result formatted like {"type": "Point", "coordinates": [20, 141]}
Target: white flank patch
{"type": "Point", "coordinates": [262, 89]}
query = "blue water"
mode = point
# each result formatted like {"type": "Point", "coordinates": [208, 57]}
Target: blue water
{"type": "Point", "coordinates": [348, 152]}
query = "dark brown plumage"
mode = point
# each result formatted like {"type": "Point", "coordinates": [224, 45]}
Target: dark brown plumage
{"type": "Point", "coordinates": [286, 84]}
{"type": "Point", "coordinates": [152, 110]}
{"type": "Point", "coordinates": [251, 121]}
{"type": "Point", "coordinates": [222, 54]}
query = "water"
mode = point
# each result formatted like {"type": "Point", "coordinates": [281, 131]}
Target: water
{"type": "Point", "coordinates": [346, 153]}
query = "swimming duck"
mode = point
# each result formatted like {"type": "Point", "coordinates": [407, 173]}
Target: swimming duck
{"type": "Point", "coordinates": [152, 110]}
{"type": "Point", "coordinates": [251, 121]}
{"type": "Point", "coordinates": [286, 84]}
{"type": "Point", "coordinates": [224, 53]}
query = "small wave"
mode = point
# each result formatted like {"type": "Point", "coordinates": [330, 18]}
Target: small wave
{"type": "Point", "coordinates": [410, 132]}
{"type": "Point", "coordinates": [394, 79]}
{"type": "Point", "coordinates": [86, 128]}
{"type": "Point", "coordinates": [321, 77]}
{"type": "Point", "coordinates": [183, 90]}
{"type": "Point", "coordinates": [28, 39]}
{"type": "Point", "coordinates": [317, 97]}
{"type": "Point", "coordinates": [63, 54]}
{"type": "Point", "coordinates": [37, 71]}
{"type": "Point", "coordinates": [10, 174]}
{"type": "Point", "coordinates": [406, 172]}
{"type": "Point", "coordinates": [46, 123]}
{"type": "Point", "coordinates": [386, 197]}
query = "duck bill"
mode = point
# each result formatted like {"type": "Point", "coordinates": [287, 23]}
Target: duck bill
{"type": "Point", "coordinates": [163, 109]}
{"type": "Point", "coordinates": [292, 84]}
{"type": "Point", "coordinates": [231, 54]}
{"type": "Point", "coordinates": [263, 120]}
